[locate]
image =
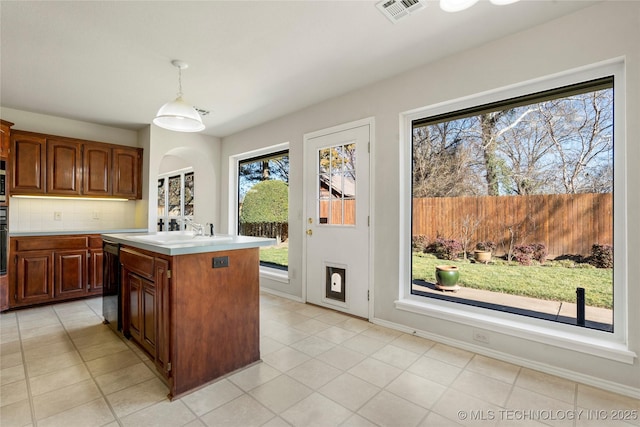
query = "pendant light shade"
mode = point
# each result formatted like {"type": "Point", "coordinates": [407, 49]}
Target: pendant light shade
{"type": "Point", "coordinates": [177, 115]}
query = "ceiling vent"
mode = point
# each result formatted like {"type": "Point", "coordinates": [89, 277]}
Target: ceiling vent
{"type": "Point", "coordinates": [395, 10]}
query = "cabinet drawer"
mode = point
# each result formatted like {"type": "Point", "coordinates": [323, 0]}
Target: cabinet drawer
{"type": "Point", "coordinates": [95, 242]}
{"type": "Point", "coordinates": [137, 262]}
{"type": "Point", "coordinates": [38, 243]}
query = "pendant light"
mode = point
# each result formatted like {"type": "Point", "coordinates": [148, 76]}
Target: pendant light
{"type": "Point", "coordinates": [177, 115]}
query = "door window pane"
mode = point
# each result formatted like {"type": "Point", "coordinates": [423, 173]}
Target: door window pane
{"type": "Point", "coordinates": [337, 185]}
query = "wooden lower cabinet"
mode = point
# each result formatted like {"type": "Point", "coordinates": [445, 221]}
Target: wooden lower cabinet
{"type": "Point", "coordinates": [4, 292]}
{"type": "Point", "coordinates": [33, 283]}
{"type": "Point", "coordinates": [44, 269]}
{"type": "Point", "coordinates": [70, 273]}
{"type": "Point", "coordinates": [142, 315]}
{"type": "Point", "coordinates": [197, 322]}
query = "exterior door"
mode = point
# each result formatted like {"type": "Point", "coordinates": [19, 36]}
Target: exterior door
{"type": "Point", "coordinates": [337, 218]}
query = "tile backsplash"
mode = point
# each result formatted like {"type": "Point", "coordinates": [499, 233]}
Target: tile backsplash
{"type": "Point", "coordinates": [34, 215]}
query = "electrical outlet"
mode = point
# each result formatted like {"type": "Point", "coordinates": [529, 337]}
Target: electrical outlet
{"type": "Point", "coordinates": [481, 336]}
{"type": "Point", "coordinates": [57, 216]}
{"type": "Point", "coordinates": [220, 262]}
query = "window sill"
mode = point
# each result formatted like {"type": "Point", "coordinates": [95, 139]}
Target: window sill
{"type": "Point", "coordinates": [281, 276]}
{"type": "Point", "coordinates": [525, 329]}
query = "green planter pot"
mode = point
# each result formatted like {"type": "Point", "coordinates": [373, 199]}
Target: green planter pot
{"type": "Point", "coordinates": [447, 277]}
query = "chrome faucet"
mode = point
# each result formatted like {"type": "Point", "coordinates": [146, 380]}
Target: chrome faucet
{"type": "Point", "coordinates": [198, 228]}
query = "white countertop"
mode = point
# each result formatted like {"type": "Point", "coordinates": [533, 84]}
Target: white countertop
{"type": "Point", "coordinates": [184, 243]}
{"type": "Point", "coordinates": [73, 232]}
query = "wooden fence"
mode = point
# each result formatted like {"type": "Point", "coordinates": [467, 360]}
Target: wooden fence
{"type": "Point", "coordinates": [568, 224]}
{"type": "Point", "coordinates": [274, 230]}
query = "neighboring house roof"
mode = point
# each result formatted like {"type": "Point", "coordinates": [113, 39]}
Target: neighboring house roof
{"type": "Point", "coordinates": [341, 185]}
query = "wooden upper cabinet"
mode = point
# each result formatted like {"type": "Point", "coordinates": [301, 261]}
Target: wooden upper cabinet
{"type": "Point", "coordinates": [5, 130]}
{"type": "Point", "coordinates": [127, 165]}
{"type": "Point", "coordinates": [28, 162]}
{"type": "Point", "coordinates": [97, 170]}
{"type": "Point", "coordinates": [47, 164]}
{"type": "Point", "coordinates": [64, 167]}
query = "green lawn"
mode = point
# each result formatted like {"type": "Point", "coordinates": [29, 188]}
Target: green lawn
{"type": "Point", "coordinates": [275, 254]}
{"type": "Point", "coordinates": [551, 281]}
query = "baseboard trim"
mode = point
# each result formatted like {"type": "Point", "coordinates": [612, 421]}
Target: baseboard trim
{"type": "Point", "coordinates": [280, 294]}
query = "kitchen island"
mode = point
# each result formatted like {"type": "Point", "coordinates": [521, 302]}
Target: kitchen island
{"type": "Point", "coordinates": [192, 303]}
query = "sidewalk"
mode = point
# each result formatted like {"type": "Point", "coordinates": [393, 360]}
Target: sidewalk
{"type": "Point", "coordinates": [551, 308]}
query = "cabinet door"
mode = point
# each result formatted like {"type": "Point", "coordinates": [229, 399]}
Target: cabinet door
{"type": "Point", "coordinates": [27, 163]}
{"type": "Point", "coordinates": [70, 273]}
{"type": "Point", "coordinates": [96, 266]}
{"type": "Point", "coordinates": [97, 170]}
{"type": "Point", "coordinates": [64, 167]}
{"type": "Point", "coordinates": [126, 173]}
{"type": "Point", "coordinates": [148, 311]}
{"type": "Point", "coordinates": [33, 277]}
{"type": "Point", "coordinates": [163, 316]}
{"type": "Point", "coordinates": [5, 130]}
{"type": "Point", "coordinates": [133, 295]}
{"type": "Point", "coordinates": [141, 322]}
{"type": "Point", "coordinates": [4, 292]}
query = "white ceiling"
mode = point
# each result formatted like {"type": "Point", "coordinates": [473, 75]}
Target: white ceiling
{"type": "Point", "coordinates": [108, 62]}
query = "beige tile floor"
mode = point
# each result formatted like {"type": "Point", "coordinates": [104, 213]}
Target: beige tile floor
{"type": "Point", "coordinates": [62, 367]}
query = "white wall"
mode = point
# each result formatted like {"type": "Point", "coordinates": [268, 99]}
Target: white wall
{"type": "Point", "coordinates": [193, 149]}
{"type": "Point", "coordinates": [605, 31]}
{"type": "Point", "coordinates": [41, 123]}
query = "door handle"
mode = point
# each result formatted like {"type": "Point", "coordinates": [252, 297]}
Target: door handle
{"type": "Point", "coordinates": [309, 232]}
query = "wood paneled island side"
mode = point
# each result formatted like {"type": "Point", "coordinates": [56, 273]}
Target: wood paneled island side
{"type": "Point", "coordinates": [197, 313]}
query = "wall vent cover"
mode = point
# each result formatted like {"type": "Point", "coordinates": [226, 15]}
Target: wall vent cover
{"type": "Point", "coordinates": [395, 10]}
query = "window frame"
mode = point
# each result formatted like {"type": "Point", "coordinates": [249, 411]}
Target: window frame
{"type": "Point", "coordinates": [278, 274]}
{"type": "Point", "coordinates": [611, 345]}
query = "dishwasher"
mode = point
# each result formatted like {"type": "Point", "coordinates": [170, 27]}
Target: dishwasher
{"type": "Point", "coordinates": [111, 290]}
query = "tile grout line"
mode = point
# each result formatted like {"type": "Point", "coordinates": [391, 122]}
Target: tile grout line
{"type": "Point", "coordinates": [84, 363]}
{"type": "Point", "coordinates": [26, 375]}
{"type": "Point", "coordinates": [133, 348]}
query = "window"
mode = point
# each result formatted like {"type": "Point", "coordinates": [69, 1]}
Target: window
{"type": "Point", "coordinates": [527, 174]}
{"type": "Point", "coordinates": [175, 199]}
{"type": "Point", "coordinates": [263, 204]}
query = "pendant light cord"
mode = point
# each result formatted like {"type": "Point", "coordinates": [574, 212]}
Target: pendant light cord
{"type": "Point", "coordinates": [179, 82]}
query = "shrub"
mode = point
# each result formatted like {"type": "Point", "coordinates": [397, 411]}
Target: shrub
{"type": "Point", "coordinates": [486, 246]}
{"type": "Point", "coordinates": [540, 252]}
{"type": "Point", "coordinates": [601, 256]}
{"type": "Point", "coordinates": [523, 254]}
{"type": "Point", "coordinates": [419, 243]}
{"type": "Point", "coordinates": [445, 248]}
{"type": "Point", "coordinates": [267, 201]}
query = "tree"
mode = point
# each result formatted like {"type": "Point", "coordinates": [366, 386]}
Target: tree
{"type": "Point", "coordinates": [442, 164]}
{"type": "Point", "coordinates": [253, 171]}
{"type": "Point", "coordinates": [560, 145]}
